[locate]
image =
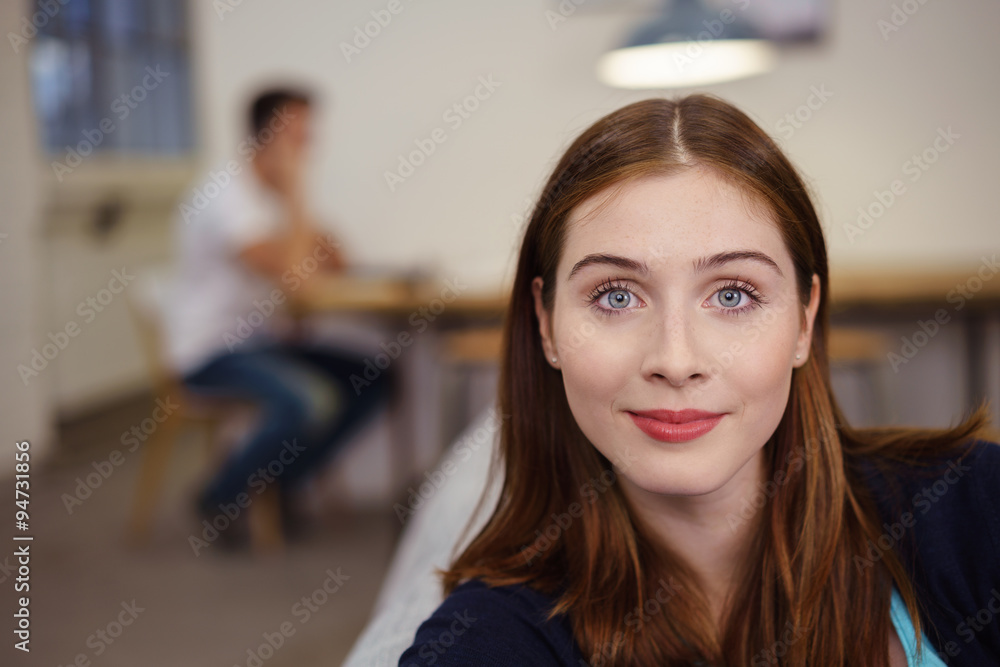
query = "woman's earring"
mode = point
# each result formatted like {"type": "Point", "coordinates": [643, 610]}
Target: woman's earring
{"type": "Point", "coordinates": [553, 360]}
{"type": "Point", "coordinates": [798, 356]}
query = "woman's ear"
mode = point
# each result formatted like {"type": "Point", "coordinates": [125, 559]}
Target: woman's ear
{"type": "Point", "coordinates": [804, 343]}
{"type": "Point", "coordinates": [544, 321]}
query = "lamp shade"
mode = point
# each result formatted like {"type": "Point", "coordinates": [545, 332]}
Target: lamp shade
{"type": "Point", "coordinates": [688, 45]}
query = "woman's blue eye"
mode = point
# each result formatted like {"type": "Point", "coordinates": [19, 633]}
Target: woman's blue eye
{"type": "Point", "coordinates": [619, 298]}
{"type": "Point", "coordinates": [730, 297]}
{"type": "Point", "coordinates": [614, 297]}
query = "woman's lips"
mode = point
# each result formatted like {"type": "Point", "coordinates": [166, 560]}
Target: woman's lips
{"type": "Point", "coordinates": [679, 426]}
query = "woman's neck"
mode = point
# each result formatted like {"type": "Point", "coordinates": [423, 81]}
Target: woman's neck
{"type": "Point", "coordinates": [712, 533]}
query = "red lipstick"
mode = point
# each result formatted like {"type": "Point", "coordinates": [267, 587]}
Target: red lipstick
{"type": "Point", "coordinates": [675, 425]}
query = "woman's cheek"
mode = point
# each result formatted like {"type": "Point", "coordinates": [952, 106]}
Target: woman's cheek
{"type": "Point", "coordinates": [760, 324]}
{"type": "Point", "coordinates": [595, 360]}
{"type": "Point", "coordinates": [593, 343]}
{"type": "Point", "coordinates": [765, 364]}
{"type": "Point", "coordinates": [575, 336]}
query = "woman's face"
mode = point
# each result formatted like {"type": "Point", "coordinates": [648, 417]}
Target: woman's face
{"type": "Point", "coordinates": [676, 296]}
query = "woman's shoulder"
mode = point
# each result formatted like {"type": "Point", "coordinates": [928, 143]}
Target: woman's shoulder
{"type": "Point", "coordinates": [947, 511]}
{"type": "Point", "coordinates": [957, 500]}
{"type": "Point", "coordinates": [944, 486]}
{"type": "Point", "coordinates": [943, 520]}
{"type": "Point", "coordinates": [493, 626]}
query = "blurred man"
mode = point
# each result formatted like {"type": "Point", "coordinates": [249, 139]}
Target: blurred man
{"type": "Point", "coordinates": [244, 246]}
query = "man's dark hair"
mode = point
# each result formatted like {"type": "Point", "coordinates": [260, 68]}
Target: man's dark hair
{"type": "Point", "coordinates": [269, 102]}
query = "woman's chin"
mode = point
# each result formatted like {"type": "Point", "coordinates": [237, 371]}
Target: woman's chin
{"type": "Point", "coordinates": [674, 483]}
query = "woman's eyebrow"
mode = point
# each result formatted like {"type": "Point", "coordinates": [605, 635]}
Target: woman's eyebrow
{"type": "Point", "coordinates": [613, 260]}
{"type": "Point", "coordinates": [718, 259]}
{"type": "Point", "coordinates": [700, 265]}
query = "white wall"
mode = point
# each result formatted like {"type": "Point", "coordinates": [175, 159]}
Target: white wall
{"type": "Point", "coordinates": [24, 407]}
{"type": "Point", "coordinates": [889, 97]}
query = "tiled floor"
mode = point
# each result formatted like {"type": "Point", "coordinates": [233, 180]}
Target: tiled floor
{"type": "Point", "coordinates": [93, 595]}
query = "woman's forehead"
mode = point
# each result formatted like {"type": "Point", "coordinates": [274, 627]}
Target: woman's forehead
{"type": "Point", "coordinates": [674, 219]}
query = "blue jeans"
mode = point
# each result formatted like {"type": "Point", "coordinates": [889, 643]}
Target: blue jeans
{"type": "Point", "coordinates": [308, 407]}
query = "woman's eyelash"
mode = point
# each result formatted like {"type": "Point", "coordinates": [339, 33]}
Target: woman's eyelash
{"type": "Point", "coordinates": [609, 285]}
{"type": "Point", "coordinates": [756, 298]}
{"type": "Point", "coordinates": [737, 284]}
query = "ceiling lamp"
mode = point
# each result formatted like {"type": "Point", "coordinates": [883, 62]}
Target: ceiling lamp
{"type": "Point", "coordinates": [687, 45]}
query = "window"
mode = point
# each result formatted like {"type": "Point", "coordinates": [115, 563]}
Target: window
{"type": "Point", "coordinates": [112, 76]}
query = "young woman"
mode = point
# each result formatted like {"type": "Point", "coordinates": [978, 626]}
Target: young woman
{"type": "Point", "coordinates": [680, 486]}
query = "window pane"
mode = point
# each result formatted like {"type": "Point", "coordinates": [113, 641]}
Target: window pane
{"type": "Point", "coordinates": [89, 64]}
{"type": "Point", "coordinates": [167, 18]}
{"type": "Point", "coordinates": [122, 22]}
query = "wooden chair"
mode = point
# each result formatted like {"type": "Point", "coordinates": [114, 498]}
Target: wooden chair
{"type": "Point", "coordinates": [145, 302]}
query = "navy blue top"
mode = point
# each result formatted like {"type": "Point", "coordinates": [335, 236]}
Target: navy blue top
{"type": "Point", "coordinates": [943, 522]}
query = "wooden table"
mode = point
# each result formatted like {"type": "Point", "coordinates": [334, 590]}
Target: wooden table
{"type": "Point", "coordinates": [969, 295]}
{"type": "Point", "coordinates": [884, 287]}
{"type": "Point", "coordinates": [393, 297]}
{"type": "Point", "coordinates": [422, 312]}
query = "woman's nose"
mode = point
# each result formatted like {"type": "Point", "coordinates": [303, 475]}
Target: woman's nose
{"type": "Point", "coordinates": [672, 349]}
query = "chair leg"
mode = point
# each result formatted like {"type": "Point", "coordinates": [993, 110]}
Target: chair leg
{"type": "Point", "coordinates": [155, 458]}
{"type": "Point", "coordinates": [265, 521]}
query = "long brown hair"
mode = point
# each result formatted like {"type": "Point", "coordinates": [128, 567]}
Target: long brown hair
{"type": "Point", "coordinates": [562, 525]}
